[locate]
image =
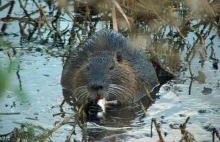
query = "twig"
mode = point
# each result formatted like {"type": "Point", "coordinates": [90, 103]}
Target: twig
{"type": "Point", "coordinates": [143, 109]}
{"type": "Point", "coordinates": [25, 11]}
{"type": "Point", "coordinates": [174, 23]}
{"type": "Point", "coordinates": [11, 8]}
{"type": "Point", "coordinates": [114, 20]}
{"type": "Point", "coordinates": [87, 15]}
{"type": "Point", "coordinates": [147, 92]}
{"type": "Point", "coordinates": [122, 12]}
{"type": "Point", "coordinates": [205, 2]}
{"type": "Point", "coordinates": [45, 17]}
{"type": "Point", "coordinates": [183, 126]}
{"type": "Point", "coordinates": [61, 105]}
{"type": "Point", "coordinates": [7, 5]}
{"type": "Point", "coordinates": [9, 19]}
{"type": "Point", "coordinates": [71, 16]}
{"type": "Point", "coordinates": [19, 78]}
{"type": "Point", "coordinates": [190, 86]}
{"type": "Point", "coordinates": [60, 113]}
{"type": "Point", "coordinates": [36, 11]}
{"type": "Point", "coordinates": [151, 129]}
{"type": "Point", "coordinates": [32, 118]}
{"type": "Point", "coordinates": [36, 4]}
{"type": "Point", "coordinates": [11, 4]}
{"type": "Point", "coordinates": [9, 113]}
{"type": "Point", "coordinates": [57, 16]}
{"type": "Point", "coordinates": [186, 136]}
{"type": "Point", "coordinates": [190, 70]}
{"type": "Point", "coordinates": [73, 129]}
{"type": "Point", "coordinates": [142, 1]}
{"type": "Point", "coordinates": [22, 31]}
{"type": "Point", "coordinates": [47, 22]}
{"type": "Point", "coordinates": [215, 132]}
{"type": "Point", "coordinates": [49, 133]}
{"type": "Point", "coordinates": [202, 45]}
{"type": "Point", "coordinates": [158, 130]}
{"type": "Point", "coordinates": [193, 52]}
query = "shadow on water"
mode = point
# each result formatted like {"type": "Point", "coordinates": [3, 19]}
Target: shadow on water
{"type": "Point", "coordinates": [37, 36]}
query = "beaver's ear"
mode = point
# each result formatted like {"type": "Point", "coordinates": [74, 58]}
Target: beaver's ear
{"type": "Point", "coordinates": [119, 57]}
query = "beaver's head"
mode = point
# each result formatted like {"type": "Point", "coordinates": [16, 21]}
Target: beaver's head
{"type": "Point", "coordinates": [105, 75]}
{"type": "Point", "coordinates": [107, 65]}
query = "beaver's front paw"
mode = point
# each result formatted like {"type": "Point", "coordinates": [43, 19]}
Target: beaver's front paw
{"type": "Point", "coordinates": [94, 109]}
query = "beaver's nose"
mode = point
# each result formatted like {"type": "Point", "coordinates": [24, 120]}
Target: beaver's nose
{"type": "Point", "coordinates": [96, 87]}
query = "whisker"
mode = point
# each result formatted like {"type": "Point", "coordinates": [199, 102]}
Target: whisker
{"type": "Point", "coordinates": [81, 93]}
{"type": "Point", "coordinates": [115, 91]}
{"type": "Point", "coordinates": [121, 93]}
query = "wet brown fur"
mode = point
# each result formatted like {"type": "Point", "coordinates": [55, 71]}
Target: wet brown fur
{"type": "Point", "coordinates": [123, 83]}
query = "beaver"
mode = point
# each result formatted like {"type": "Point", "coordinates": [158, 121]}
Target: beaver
{"type": "Point", "coordinates": [107, 65]}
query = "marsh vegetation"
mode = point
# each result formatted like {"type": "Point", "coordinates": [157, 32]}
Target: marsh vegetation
{"type": "Point", "coordinates": [181, 35]}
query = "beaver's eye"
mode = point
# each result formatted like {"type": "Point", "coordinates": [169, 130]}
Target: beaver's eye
{"type": "Point", "coordinates": [119, 57]}
{"type": "Point", "coordinates": [111, 67]}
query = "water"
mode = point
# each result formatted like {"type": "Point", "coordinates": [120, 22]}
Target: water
{"type": "Point", "coordinates": [35, 93]}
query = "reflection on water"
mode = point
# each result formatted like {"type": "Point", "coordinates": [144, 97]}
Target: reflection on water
{"type": "Point", "coordinates": [34, 93]}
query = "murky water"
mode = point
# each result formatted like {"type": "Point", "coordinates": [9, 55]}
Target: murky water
{"type": "Point", "coordinates": [34, 94]}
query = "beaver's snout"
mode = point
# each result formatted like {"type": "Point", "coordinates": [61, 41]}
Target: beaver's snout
{"type": "Point", "coordinates": [98, 72]}
{"type": "Point", "coordinates": [97, 88]}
